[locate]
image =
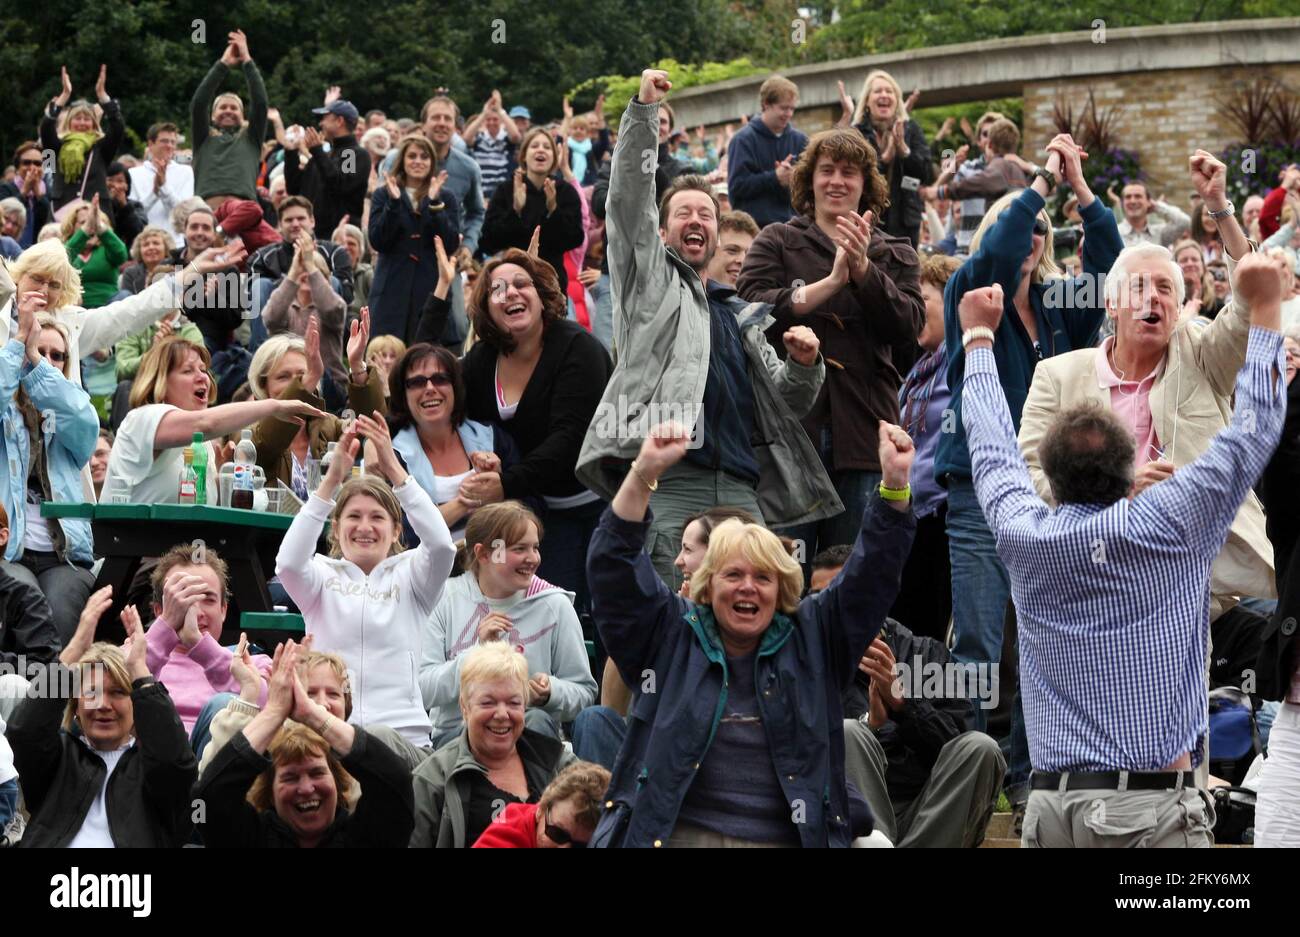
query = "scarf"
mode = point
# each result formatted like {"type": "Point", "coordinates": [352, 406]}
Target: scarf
{"type": "Point", "coordinates": [578, 158]}
{"type": "Point", "coordinates": [914, 395]}
{"type": "Point", "coordinates": [72, 154]}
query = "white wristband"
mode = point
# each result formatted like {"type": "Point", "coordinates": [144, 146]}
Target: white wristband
{"type": "Point", "coordinates": [971, 335]}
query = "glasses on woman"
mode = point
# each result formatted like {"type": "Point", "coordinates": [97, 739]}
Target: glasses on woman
{"type": "Point", "coordinates": [46, 283]}
{"type": "Point", "coordinates": [561, 836]}
{"type": "Point", "coordinates": [24, 163]}
{"type": "Point", "coordinates": [56, 357]}
{"type": "Point", "coordinates": [418, 382]}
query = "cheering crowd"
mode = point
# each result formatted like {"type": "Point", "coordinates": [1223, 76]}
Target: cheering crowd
{"type": "Point", "coordinates": [651, 489]}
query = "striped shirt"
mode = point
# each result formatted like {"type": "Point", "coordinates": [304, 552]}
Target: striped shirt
{"type": "Point", "coordinates": [1113, 601]}
{"type": "Point", "coordinates": [493, 157]}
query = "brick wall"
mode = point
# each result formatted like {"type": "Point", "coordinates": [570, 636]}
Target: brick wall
{"type": "Point", "coordinates": [1165, 115]}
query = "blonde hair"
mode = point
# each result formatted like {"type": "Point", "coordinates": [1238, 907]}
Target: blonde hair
{"type": "Point", "coordinates": [150, 384]}
{"type": "Point", "coordinates": [230, 96]}
{"type": "Point", "coordinates": [46, 321]}
{"type": "Point", "coordinates": [75, 108]}
{"type": "Point", "coordinates": [1047, 268]}
{"type": "Point", "coordinates": [294, 742]}
{"type": "Point", "coordinates": [377, 488]}
{"type": "Point", "coordinates": [384, 343]}
{"type": "Point", "coordinates": [489, 662]}
{"type": "Point", "coordinates": [879, 73]}
{"type": "Point", "coordinates": [760, 547]}
{"type": "Point", "coordinates": [69, 223]}
{"type": "Point", "coordinates": [267, 356]}
{"type": "Point", "coordinates": [505, 522]}
{"type": "Point", "coordinates": [49, 259]}
{"type": "Point", "coordinates": [313, 659]}
{"type": "Point", "coordinates": [110, 658]}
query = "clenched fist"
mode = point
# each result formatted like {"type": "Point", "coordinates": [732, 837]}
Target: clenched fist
{"type": "Point", "coordinates": [654, 86]}
{"type": "Point", "coordinates": [802, 344]}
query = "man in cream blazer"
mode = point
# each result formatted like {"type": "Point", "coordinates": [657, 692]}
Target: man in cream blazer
{"type": "Point", "coordinates": [1168, 376]}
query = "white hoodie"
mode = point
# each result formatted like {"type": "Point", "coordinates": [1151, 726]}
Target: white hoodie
{"type": "Point", "coordinates": [545, 627]}
{"type": "Point", "coordinates": [374, 622]}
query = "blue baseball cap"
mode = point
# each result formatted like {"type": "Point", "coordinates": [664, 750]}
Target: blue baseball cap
{"type": "Point", "coordinates": [344, 109]}
{"type": "Point", "coordinates": [520, 111]}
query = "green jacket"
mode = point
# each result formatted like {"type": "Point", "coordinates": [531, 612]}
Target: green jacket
{"type": "Point", "coordinates": [662, 332]}
{"type": "Point", "coordinates": [442, 785]}
{"type": "Point", "coordinates": [134, 347]}
{"type": "Point", "coordinates": [99, 273]}
{"type": "Point", "coordinates": [227, 163]}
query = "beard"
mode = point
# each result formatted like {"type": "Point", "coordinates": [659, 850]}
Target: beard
{"type": "Point", "coordinates": [702, 264]}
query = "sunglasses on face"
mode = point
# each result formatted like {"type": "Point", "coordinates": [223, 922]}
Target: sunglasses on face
{"type": "Point", "coordinates": [1220, 275]}
{"type": "Point", "coordinates": [562, 837]}
{"type": "Point", "coordinates": [418, 382]}
{"type": "Point", "coordinates": [1041, 227]}
{"type": "Point", "coordinates": [28, 162]}
{"type": "Point", "coordinates": [58, 357]}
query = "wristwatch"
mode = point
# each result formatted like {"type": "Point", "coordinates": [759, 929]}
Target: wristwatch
{"type": "Point", "coordinates": [978, 332]}
{"type": "Point", "coordinates": [1047, 177]}
{"type": "Point", "coordinates": [1224, 213]}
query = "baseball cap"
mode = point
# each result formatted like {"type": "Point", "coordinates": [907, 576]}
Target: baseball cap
{"type": "Point", "coordinates": [344, 109]}
{"type": "Point", "coordinates": [521, 111]}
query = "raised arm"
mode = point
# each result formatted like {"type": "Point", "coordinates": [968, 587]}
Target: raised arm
{"type": "Point", "coordinates": [178, 427]}
{"type": "Point", "coordinates": [637, 262]}
{"type": "Point", "coordinates": [631, 605]}
{"type": "Point", "coordinates": [851, 611]}
{"type": "Point", "coordinates": [1201, 499]}
{"type": "Point", "coordinates": [999, 474]}
{"type": "Point", "coordinates": [201, 103]}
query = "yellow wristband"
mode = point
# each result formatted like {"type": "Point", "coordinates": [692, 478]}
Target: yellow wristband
{"type": "Point", "coordinates": [895, 494]}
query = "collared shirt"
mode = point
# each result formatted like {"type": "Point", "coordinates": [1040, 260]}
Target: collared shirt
{"type": "Point", "coordinates": [1113, 600]}
{"type": "Point", "coordinates": [158, 205]}
{"type": "Point", "coordinates": [1165, 223]}
{"type": "Point", "coordinates": [1131, 402]}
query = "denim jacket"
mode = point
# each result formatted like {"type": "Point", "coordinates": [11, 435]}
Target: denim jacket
{"type": "Point", "coordinates": [69, 430]}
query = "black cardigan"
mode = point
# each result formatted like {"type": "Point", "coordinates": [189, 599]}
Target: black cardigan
{"type": "Point", "coordinates": [148, 796]}
{"type": "Point", "coordinates": [554, 412]}
{"type": "Point", "coordinates": [384, 817]}
{"type": "Point", "coordinates": [503, 227]}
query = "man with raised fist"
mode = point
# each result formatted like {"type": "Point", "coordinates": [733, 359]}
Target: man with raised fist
{"type": "Point", "coordinates": [692, 350]}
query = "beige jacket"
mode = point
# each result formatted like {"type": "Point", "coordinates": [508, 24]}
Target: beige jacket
{"type": "Point", "coordinates": [1200, 371]}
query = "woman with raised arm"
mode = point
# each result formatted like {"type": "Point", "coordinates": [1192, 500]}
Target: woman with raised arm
{"type": "Point", "coordinates": [287, 367]}
{"type": "Point", "coordinates": [170, 403]}
{"type": "Point", "coordinates": [901, 149]}
{"type": "Point", "coordinates": [369, 599]}
{"type": "Point", "coordinates": [742, 740]}
{"type": "Point", "coordinates": [112, 766]}
{"type": "Point", "coordinates": [298, 772]}
{"type": "Point", "coordinates": [50, 430]}
{"type": "Point", "coordinates": [84, 146]}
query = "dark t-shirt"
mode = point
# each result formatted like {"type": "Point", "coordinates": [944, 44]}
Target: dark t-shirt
{"type": "Point", "coordinates": [736, 791]}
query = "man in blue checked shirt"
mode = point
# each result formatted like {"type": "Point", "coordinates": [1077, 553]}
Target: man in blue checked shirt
{"type": "Point", "coordinates": [1112, 593]}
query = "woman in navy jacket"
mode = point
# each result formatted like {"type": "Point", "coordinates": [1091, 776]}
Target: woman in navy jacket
{"type": "Point", "coordinates": [668, 787]}
{"type": "Point", "coordinates": [406, 214]}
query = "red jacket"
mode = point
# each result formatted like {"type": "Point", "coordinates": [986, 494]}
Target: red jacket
{"type": "Point", "coordinates": [1270, 216]}
{"type": "Point", "coordinates": [515, 828]}
{"type": "Point", "coordinates": [243, 219]}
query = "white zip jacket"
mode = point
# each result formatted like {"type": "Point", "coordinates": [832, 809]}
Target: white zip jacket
{"type": "Point", "coordinates": [375, 622]}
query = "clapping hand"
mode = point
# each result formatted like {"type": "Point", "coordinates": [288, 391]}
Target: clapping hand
{"type": "Point", "coordinates": [246, 673]}
{"type": "Point", "coordinates": [101, 85]}
{"type": "Point", "coordinates": [854, 236]}
{"type": "Point", "coordinates": [446, 265]}
{"type": "Point", "coordinates": [315, 364]}
{"type": "Point", "coordinates": [135, 647]}
{"type": "Point", "coordinates": [358, 339]}
{"type": "Point", "coordinates": [340, 468]}
{"type": "Point", "coordinates": [98, 603]}
{"type": "Point", "coordinates": [391, 185]}
{"type": "Point", "coordinates": [375, 429]}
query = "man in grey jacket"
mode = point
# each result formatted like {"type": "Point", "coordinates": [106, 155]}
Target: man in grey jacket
{"type": "Point", "coordinates": [694, 351]}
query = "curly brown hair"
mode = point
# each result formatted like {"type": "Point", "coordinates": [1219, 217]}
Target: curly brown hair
{"type": "Point", "coordinates": [851, 147]}
{"type": "Point", "coordinates": [554, 305]}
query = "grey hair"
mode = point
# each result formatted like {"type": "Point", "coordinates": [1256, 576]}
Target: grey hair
{"type": "Point", "coordinates": [10, 205]}
{"type": "Point", "coordinates": [268, 356]}
{"type": "Point", "coordinates": [1118, 277]}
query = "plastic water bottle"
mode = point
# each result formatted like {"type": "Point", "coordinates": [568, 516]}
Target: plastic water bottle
{"type": "Point", "coordinates": [188, 485]}
{"type": "Point", "coordinates": [200, 462]}
{"type": "Point", "coordinates": [241, 494]}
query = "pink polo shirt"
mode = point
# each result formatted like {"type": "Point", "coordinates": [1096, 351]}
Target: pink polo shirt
{"type": "Point", "coordinates": [1131, 402]}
